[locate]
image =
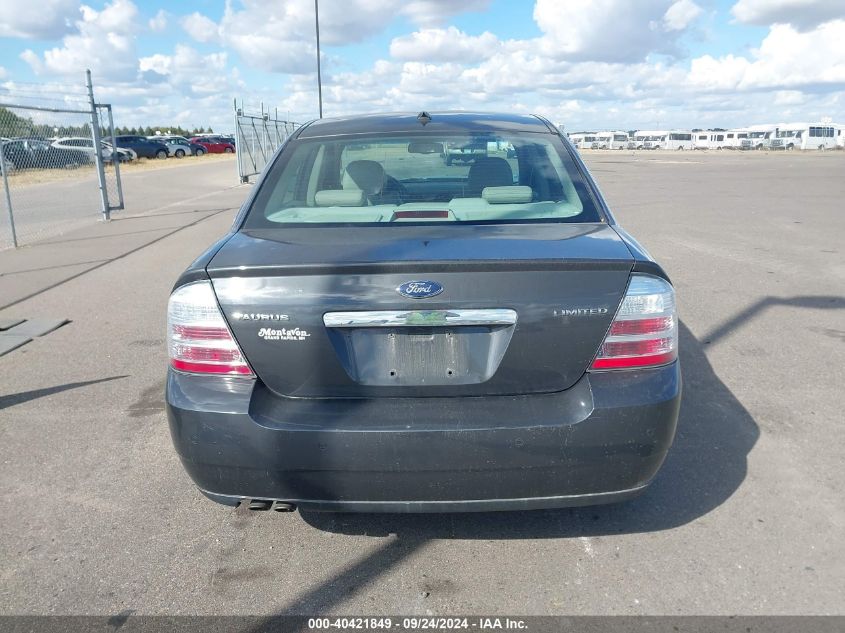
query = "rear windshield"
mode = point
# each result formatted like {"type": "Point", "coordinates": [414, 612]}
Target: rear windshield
{"type": "Point", "coordinates": [490, 178]}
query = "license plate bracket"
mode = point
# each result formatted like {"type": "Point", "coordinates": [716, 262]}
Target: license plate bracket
{"type": "Point", "coordinates": [418, 356]}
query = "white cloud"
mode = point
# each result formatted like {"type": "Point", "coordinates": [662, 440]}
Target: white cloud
{"type": "Point", "coordinates": [199, 27]}
{"type": "Point", "coordinates": [723, 74]}
{"type": "Point", "coordinates": [104, 42]}
{"type": "Point", "coordinates": [787, 58]}
{"type": "Point", "coordinates": [45, 19]}
{"type": "Point", "coordinates": [609, 30]}
{"type": "Point", "coordinates": [33, 60]}
{"type": "Point", "coordinates": [159, 21]}
{"type": "Point", "coordinates": [279, 36]}
{"type": "Point", "coordinates": [790, 75]}
{"type": "Point", "coordinates": [680, 15]}
{"type": "Point", "coordinates": [3, 73]}
{"type": "Point", "coordinates": [802, 14]}
{"type": "Point", "coordinates": [596, 64]}
{"type": "Point", "coordinates": [790, 97]}
{"type": "Point", "coordinates": [449, 44]}
{"type": "Point", "coordinates": [188, 70]}
{"type": "Point", "coordinates": [430, 13]}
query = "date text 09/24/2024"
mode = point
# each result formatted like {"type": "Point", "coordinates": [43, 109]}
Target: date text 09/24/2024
{"type": "Point", "coordinates": [429, 623]}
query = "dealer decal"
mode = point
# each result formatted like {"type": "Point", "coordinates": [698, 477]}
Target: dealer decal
{"type": "Point", "coordinates": [283, 334]}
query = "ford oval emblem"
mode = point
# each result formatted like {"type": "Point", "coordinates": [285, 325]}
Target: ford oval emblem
{"type": "Point", "coordinates": [420, 289]}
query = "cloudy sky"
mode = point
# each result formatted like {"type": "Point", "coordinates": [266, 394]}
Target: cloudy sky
{"type": "Point", "coordinates": [584, 63]}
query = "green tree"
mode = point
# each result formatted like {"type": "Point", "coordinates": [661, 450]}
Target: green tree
{"type": "Point", "coordinates": [13, 125]}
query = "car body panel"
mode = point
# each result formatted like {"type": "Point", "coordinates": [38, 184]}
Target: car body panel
{"type": "Point", "coordinates": [564, 281]}
{"type": "Point", "coordinates": [440, 123]}
{"type": "Point", "coordinates": [424, 455]}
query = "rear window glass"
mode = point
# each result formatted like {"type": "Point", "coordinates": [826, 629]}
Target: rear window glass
{"type": "Point", "coordinates": [455, 179]}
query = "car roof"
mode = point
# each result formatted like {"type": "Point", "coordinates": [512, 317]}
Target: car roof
{"type": "Point", "coordinates": [440, 123]}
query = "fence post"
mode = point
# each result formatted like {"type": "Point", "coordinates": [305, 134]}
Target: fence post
{"type": "Point", "coordinates": [239, 144]}
{"type": "Point", "coordinates": [116, 163]}
{"type": "Point", "coordinates": [8, 195]}
{"type": "Point", "coordinates": [98, 149]}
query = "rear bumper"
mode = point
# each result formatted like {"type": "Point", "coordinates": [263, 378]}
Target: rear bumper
{"type": "Point", "coordinates": [600, 441]}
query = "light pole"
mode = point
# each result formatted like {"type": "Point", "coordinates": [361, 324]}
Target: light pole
{"type": "Point", "coordinates": [319, 78]}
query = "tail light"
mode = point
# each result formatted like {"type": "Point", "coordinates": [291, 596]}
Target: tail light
{"type": "Point", "coordinates": [644, 332]}
{"type": "Point", "coordinates": [198, 338]}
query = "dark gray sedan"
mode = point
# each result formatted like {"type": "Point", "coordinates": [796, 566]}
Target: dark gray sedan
{"type": "Point", "coordinates": [382, 331]}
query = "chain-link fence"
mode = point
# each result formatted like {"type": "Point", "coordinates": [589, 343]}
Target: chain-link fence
{"type": "Point", "coordinates": [52, 178]}
{"type": "Point", "coordinates": [257, 137]}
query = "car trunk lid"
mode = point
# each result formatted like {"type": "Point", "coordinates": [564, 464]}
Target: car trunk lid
{"type": "Point", "coordinates": [438, 310]}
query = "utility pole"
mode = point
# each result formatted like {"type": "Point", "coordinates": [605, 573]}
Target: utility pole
{"type": "Point", "coordinates": [319, 78]}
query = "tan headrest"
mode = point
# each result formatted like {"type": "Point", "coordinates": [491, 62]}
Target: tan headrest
{"type": "Point", "coordinates": [340, 198]}
{"type": "Point", "coordinates": [514, 194]}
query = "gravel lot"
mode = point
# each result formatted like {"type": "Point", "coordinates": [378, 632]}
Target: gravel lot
{"type": "Point", "coordinates": [746, 517]}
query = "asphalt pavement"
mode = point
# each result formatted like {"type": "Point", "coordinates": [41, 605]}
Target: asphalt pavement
{"type": "Point", "coordinates": [746, 517]}
{"type": "Point", "coordinates": [47, 204]}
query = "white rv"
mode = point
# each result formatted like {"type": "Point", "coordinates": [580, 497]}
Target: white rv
{"type": "Point", "coordinates": [637, 141]}
{"type": "Point", "coordinates": [651, 139]}
{"type": "Point", "coordinates": [819, 136]}
{"type": "Point", "coordinates": [678, 139]}
{"type": "Point", "coordinates": [611, 140]}
{"type": "Point", "coordinates": [734, 138]}
{"type": "Point", "coordinates": [665, 139]}
{"type": "Point", "coordinates": [617, 140]}
{"type": "Point", "coordinates": [789, 136]}
{"type": "Point", "coordinates": [709, 139]}
{"type": "Point", "coordinates": [758, 135]}
{"type": "Point", "coordinates": [584, 140]}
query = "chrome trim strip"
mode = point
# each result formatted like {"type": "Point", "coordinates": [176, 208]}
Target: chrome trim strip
{"type": "Point", "coordinates": [420, 318]}
{"type": "Point", "coordinates": [450, 505]}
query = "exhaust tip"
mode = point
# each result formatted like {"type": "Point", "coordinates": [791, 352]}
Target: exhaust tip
{"type": "Point", "coordinates": [284, 506]}
{"type": "Point", "coordinates": [260, 504]}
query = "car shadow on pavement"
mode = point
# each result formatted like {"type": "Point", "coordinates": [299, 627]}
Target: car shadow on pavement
{"type": "Point", "coordinates": [705, 466]}
{"type": "Point", "coordinates": [25, 396]}
{"type": "Point", "coordinates": [55, 283]}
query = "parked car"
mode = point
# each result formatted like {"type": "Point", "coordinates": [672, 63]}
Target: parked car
{"type": "Point", "coordinates": [142, 146]}
{"type": "Point", "coordinates": [86, 146]}
{"type": "Point", "coordinates": [214, 144]}
{"type": "Point", "coordinates": [163, 138]}
{"type": "Point", "coordinates": [180, 147]}
{"type": "Point", "coordinates": [226, 137]}
{"type": "Point", "coordinates": [30, 153]}
{"type": "Point", "coordinates": [382, 332]}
